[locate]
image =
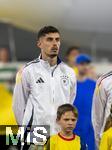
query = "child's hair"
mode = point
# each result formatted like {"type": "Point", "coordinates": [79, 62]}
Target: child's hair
{"type": "Point", "coordinates": [109, 121]}
{"type": "Point", "coordinates": [65, 108]}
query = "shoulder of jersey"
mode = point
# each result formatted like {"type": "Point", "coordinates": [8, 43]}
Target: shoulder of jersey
{"type": "Point", "coordinates": [32, 62]}
{"type": "Point", "coordinates": [27, 65]}
{"type": "Point", "coordinates": [78, 137]}
{"type": "Point", "coordinates": [103, 77]}
{"type": "Point", "coordinates": [53, 137]}
{"type": "Point", "coordinates": [23, 68]}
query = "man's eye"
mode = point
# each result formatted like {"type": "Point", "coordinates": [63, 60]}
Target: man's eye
{"type": "Point", "coordinates": [57, 39]}
{"type": "Point", "coordinates": [49, 39]}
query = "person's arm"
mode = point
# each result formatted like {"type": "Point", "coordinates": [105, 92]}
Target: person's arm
{"type": "Point", "coordinates": [98, 110]}
{"type": "Point", "coordinates": [73, 89]}
{"type": "Point", "coordinates": [20, 95]}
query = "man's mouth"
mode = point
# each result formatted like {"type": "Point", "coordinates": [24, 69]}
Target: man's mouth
{"type": "Point", "coordinates": [54, 49]}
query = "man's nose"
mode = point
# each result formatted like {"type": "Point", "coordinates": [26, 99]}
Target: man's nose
{"type": "Point", "coordinates": [54, 42]}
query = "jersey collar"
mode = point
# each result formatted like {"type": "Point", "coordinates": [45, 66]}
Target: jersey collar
{"type": "Point", "coordinates": [58, 59]}
{"type": "Point", "coordinates": [66, 139]}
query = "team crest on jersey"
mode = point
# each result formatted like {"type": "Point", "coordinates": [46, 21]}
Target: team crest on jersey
{"type": "Point", "coordinates": [64, 80]}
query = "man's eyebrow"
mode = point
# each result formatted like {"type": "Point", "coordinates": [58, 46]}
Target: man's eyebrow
{"type": "Point", "coordinates": [52, 37]}
{"type": "Point", "coordinates": [49, 37]}
{"type": "Point", "coordinates": [57, 37]}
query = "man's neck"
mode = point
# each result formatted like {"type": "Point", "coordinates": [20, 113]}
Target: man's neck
{"type": "Point", "coordinates": [51, 60]}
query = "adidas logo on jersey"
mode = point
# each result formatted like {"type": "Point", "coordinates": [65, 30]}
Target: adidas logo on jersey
{"type": "Point", "coordinates": [40, 80]}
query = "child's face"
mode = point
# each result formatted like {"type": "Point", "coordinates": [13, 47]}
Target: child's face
{"type": "Point", "coordinates": [67, 121]}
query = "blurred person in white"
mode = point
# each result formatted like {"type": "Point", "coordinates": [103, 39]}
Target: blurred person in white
{"type": "Point", "coordinates": [70, 56]}
{"type": "Point", "coordinates": [4, 54]}
{"type": "Point", "coordinates": [101, 104]}
{"type": "Point", "coordinates": [43, 84]}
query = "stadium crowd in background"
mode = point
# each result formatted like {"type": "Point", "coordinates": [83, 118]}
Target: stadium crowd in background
{"type": "Point", "coordinates": [4, 54]}
{"type": "Point", "coordinates": [70, 56]}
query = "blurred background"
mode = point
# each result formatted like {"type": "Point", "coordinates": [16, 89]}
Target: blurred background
{"type": "Point", "coordinates": [85, 25]}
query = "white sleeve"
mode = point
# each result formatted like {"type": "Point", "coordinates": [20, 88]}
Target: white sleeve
{"type": "Point", "coordinates": [98, 110]}
{"type": "Point", "coordinates": [20, 95]}
{"type": "Point", "coordinates": [73, 89]}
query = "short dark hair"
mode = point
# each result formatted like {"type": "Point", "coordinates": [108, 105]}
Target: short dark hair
{"type": "Point", "coordinates": [45, 30]}
{"type": "Point", "coordinates": [72, 48]}
{"type": "Point", "coordinates": [65, 108]}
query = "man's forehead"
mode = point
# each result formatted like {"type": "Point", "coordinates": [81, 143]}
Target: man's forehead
{"type": "Point", "coordinates": [52, 35]}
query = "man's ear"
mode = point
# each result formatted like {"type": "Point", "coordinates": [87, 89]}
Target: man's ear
{"type": "Point", "coordinates": [38, 43]}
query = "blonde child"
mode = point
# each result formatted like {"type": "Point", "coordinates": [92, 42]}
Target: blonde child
{"type": "Point", "coordinates": [65, 140]}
